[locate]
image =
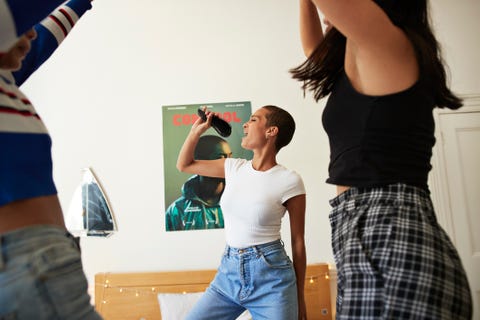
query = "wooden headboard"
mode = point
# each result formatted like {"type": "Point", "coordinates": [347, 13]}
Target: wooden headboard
{"type": "Point", "coordinates": [134, 295]}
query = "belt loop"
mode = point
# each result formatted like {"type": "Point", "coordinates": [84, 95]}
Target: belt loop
{"type": "Point", "coordinates": [227, 251]}
{"type": "Point", "coordinates": [76, 240]}
{"type": "Point", "coordinates": [2, 263]}
{"type": "Point", "coordinates": [258, 250]}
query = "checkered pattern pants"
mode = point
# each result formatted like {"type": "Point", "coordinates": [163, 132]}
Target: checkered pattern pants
{"type": "Point", "coordinates": [393, 259]}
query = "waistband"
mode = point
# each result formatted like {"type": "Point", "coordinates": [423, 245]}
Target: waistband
{"type": "Point", "coordinates": [30, 233]}
{"type": "Point", "coordinates": [27, 240]}
{"type": "Point", "coordinates": [398, 191]}
{"type": "Point", "coordinates": [256, 249]}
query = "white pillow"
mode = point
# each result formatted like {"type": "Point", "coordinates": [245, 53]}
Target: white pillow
{"type": "Point", "coordinates": [175, 306]}
{"type": "Point", "coordinates": [245, 316]}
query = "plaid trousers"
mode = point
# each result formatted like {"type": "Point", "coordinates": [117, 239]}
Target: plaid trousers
{"type": "Point", "coordinates": [394, 261]}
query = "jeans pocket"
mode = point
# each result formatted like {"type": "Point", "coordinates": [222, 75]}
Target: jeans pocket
{"type": "Point", "coordinates": [277, 259]}
{"type": "Point", "coordinates": [61, 281]}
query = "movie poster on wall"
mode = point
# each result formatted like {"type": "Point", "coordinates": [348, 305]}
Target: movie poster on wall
{"type": "Point", "coordinates": [192, 201]}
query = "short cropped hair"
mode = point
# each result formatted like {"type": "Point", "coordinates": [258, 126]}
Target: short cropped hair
{"type": "Point", "coordinates": [284, 122]}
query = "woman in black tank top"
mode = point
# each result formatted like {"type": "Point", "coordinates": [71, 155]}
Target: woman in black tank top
{"type": "Point", "coordinates": [380, 65]}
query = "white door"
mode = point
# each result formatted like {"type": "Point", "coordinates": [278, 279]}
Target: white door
{"type": "Point", "coordinates": [458, 188]}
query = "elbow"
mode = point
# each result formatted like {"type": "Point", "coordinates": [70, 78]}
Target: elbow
{"type": "Point", "coordinates": [184, 166]}
{"type": "Point", "coordinates": [298, 243]}
{"type": "Point", "coordinates": [181, 167]}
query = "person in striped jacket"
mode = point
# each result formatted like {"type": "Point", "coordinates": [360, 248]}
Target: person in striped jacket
{"type": "Point", "coordinates": [41, 274]}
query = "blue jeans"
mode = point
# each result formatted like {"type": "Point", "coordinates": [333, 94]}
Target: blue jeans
{"type": "Point", "coordinates": [259, 278]}
{"type": "Point", "coordinates": [41, 276]}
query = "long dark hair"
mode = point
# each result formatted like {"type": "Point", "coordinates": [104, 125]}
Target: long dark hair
{"type": "Point", "coordinates": [321, 70]}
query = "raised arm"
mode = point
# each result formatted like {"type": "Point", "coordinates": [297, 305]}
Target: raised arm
{"type": "Point", "coordinates": [296, 211]}
{"type": "Point", "coordinates": [186, 161]}
{"type": "Point", "coordinates": [311, 32]}
{"type": "Point", "coordinates": [361, 21]}
{"type": "Point", "coordinates": [18, 16]}
{"type": "Point", "coordinates": [380, 58]}
{"type": "Point", "coordinates": [50, 34]}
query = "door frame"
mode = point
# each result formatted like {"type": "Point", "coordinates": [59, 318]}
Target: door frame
{"type": "Point", "coordinates": [438, 179]}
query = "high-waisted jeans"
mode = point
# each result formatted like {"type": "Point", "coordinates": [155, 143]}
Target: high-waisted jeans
{"type": "Point", "coordinates": [41, 276]}
{"type": "Point", "coordinates": [259, 278]}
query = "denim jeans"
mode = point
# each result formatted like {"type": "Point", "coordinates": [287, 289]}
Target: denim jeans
{"type": "Point", "coordinates": [259, 278]}
{"type": "Point", "coordinates": [41, 276]}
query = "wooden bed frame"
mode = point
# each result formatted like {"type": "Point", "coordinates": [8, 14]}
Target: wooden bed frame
{"type": "Point", "coordinates": [134, 295]}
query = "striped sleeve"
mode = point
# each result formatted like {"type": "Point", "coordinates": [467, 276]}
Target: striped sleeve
{"type": "Point", "coordinates": [50, 33]}
{"type": "Point", "coordinates": [18, 16]}
{"type": "Point", "coordinates": [60, 22]}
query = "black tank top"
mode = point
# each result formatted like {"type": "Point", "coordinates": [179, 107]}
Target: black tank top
{"type": "Point", "coordinates": [379, 140]}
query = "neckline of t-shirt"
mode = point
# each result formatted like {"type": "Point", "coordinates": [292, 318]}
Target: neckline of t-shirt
{"type": "Point", "coordinates": [259, 171]}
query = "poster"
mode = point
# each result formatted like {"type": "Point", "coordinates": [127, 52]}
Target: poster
{"type": "Point", "coordinates": [191, 201]}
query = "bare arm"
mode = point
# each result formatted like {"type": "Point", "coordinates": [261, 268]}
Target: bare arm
{"type": "Point", "coordinates": [296, 210]}
{"type": "Point", "coordinates": [380, 59]}
{"type": "Point", "coordinates": [311, 32]}
{"type": "Point", "coordinates": [186, 161]}
{"type": "Point", "coordinates": [362, 21]}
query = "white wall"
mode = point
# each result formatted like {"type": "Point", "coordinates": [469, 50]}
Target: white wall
{"type": "Point", "coordinates": [457, 25]}
{"type": "Point", "coordinates": [101, 96]}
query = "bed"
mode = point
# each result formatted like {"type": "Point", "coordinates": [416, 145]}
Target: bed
{"type": "Point", "coordinates": [147, 295]}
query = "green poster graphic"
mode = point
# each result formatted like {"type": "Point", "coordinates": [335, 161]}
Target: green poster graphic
{"type": "Point", "coordinates": [191, 201]}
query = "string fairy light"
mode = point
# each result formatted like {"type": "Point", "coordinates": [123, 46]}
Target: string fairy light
{"type": "Point", "coordinates": [138, 292]}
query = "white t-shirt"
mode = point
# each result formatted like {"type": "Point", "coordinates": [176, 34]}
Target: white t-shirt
{"type": "Point", "coordinates": [252, 202]}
